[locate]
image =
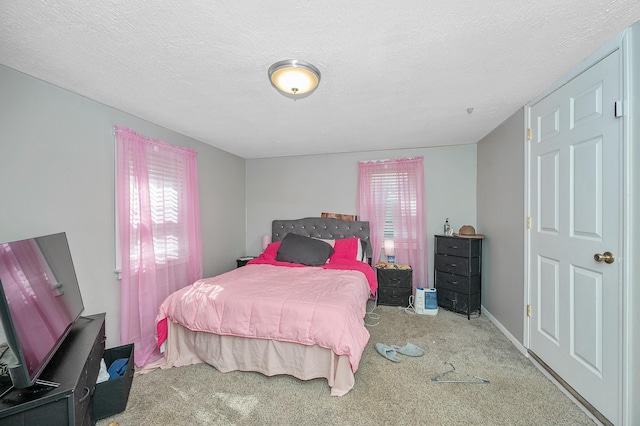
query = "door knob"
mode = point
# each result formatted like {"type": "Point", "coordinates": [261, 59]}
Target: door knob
{"type": "Point", "coordinates": [606, 257]}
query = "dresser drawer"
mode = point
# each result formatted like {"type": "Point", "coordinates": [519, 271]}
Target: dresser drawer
{"type": "Point", "coordinates": [465, 247]}
{"type": "Point", "coordinates": [458, 302]}
{"type": "Point", "coordinates": [457, 265]}
{"type": "Point", "coordinates": [394, 296]}
{"type": "Point", "coordinates": [459, 283]}
{"type": "Point", "coordinates": [395, 278]}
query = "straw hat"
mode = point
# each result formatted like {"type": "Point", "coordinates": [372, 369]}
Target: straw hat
{"type": "Point", "coordinates": [468, 231]}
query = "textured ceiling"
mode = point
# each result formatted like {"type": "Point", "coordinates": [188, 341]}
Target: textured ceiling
{"type": "Point", "coordinates": [394, 74]}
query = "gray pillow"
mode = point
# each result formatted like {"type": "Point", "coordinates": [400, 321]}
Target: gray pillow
{"type": "Point", "coordinates": [304, 250]}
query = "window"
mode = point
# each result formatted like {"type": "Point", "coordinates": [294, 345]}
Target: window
{"type": "Point", "coordinates": [166, 195]}
{"type": "Point", "coordinates": [391, 199]}
{"type": "Point", "coordinates": [389, 183]}
{"type": "Point", "coordinates": [166, 190]}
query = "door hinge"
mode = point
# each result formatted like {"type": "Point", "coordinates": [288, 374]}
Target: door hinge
{"type": "Point", "coordinates": [528, 310]}
{"type": "Point", "coordinates": [528, 222]}
{"type": "Point", "coordinates": [528, 134]}
{"type": "Point", "coordinates": [617, 109]}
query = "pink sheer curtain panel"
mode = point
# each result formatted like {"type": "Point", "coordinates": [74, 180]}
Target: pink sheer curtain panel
{"type": "Point", "coordinates": [399, 185]}
{"type": "Point", "coordinates": [371, 204]}
{"type": "Point", "coordinates": [158, 214]}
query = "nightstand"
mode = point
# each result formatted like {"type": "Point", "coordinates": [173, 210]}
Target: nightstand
{"type": "Point", "coordinates": [394, 286]}
{"type": "Point", "coordinates": [241, 261]}
{"type": "Point", "coordinates": [457, 273]}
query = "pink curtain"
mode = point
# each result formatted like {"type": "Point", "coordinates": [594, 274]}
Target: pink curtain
{"type": "Point", "coordinates": [398, 184]}
{"type": "Point", "coordinates": [158, 213]}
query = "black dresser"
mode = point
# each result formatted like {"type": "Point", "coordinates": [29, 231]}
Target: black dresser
{"type": "Point", "coordinates": [394, 286]}
{"type": "Point", "coordinates": [457, 273]}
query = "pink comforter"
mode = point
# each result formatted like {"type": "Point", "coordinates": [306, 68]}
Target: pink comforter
{"type": "Point", "coordinates": [306, 305]}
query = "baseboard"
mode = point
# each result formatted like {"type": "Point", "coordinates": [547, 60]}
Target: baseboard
{"type": "Point", "coordinates": [540, 367]}
{"type": "Point", "coordinates": [504, 331]}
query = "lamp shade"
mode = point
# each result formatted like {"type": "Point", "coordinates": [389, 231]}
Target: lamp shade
{"type": "Point", "coordinates": [294, 79]}
{"type": "Point", "coordinates": [389, 249]}
{"type": "Point", "coordinates": [266, 240]}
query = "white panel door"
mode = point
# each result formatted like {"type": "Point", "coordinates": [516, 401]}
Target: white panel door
{"type": "Point", "coordinates": [575, 207]}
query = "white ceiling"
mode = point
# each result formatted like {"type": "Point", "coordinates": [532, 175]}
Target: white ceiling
{"type": "Point", "coordinates": [394, 74]}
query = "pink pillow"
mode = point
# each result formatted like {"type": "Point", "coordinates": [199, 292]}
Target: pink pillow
{"type": "Point", "coordinates": [346, 248]}
{"type": "Point", "coordinates": [271, 251]}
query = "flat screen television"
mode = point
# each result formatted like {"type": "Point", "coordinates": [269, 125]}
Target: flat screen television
{"type": "Point", "coordinates": [39, 302]}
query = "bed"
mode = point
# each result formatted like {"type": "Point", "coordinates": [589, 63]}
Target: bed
{"type": "Point", "coordinates": [286, 312]}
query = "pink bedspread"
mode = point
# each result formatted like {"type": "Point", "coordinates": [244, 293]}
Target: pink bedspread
{"type": "Point", "coordinates": [322, 306]}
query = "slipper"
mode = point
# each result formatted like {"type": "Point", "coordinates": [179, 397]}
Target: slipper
{"type": "Point", "coordinates": [387, 352]}
{"type": "Point", "coordinates": [409, 349]}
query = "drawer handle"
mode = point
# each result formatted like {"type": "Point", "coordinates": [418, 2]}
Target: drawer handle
{"type": "Point", "coordinates": [455, 247]}
{"type": "Point", "coordinates": [452, 282]}
{"type": "Point", "coordinates": [453, 265]}
{"type": "Point", "coordinates": [87, 392]}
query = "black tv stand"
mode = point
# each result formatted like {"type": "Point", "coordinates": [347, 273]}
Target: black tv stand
{"type": "Point", "coordinates": [47, 383]}
{"type": "Point", "coordinates": [74, 368]}
{"type": "Point", "coordinates": [38, 382]}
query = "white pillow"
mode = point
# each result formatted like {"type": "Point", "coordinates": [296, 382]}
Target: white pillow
{"type": "Point", "coordinates": [332, 243]}
{"type": "Point", "coordinates": [360, 255]}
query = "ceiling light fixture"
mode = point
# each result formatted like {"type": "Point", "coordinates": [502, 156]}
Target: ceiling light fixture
{"type": "Point", "coordinates": [294, 79]}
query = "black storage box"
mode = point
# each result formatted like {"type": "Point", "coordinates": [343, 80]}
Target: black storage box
{"type": "Point", "coordinates": [111, 396]}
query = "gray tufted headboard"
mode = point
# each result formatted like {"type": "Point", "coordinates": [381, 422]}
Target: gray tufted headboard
{"type": "Point", "coordinates": [322, 227]}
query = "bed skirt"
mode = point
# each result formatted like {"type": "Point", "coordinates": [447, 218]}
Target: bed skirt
{"type": "Point", "coordinates": [269, 357]}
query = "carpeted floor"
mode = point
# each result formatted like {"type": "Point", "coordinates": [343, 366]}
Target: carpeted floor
{"type": "Point", "coordinates": [385, 392]}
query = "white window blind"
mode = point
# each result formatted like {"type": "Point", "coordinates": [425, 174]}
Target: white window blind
{"type": "Point", "coordinates": [389, 183]}
{"type": "Point", "coordinates": [166, 195]}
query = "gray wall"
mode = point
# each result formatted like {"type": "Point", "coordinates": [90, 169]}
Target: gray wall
{"type": "Point", "coordinates": [295, 187]}
{"type": "Point", "coordinates": [57, 174]}
{"type": "Point", "coordinates": [501, 216]}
